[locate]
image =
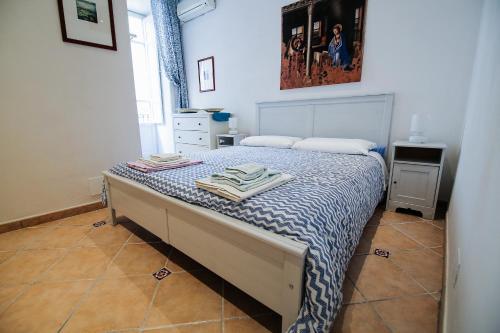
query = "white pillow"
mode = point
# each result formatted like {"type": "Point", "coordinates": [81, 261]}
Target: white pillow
{"type": "Point", "coordinates": [336, 145]}
{"type": "Point", "coordinates": [275, 141]}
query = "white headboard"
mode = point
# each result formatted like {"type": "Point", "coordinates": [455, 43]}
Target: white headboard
{"type": "Point", "coordinates": [362, 117]}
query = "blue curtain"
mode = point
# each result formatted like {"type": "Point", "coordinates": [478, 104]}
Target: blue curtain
{"type": "Point", "coordinates": [169, 40]}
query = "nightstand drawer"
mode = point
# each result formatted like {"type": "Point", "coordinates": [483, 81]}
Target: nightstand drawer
{"type": "Point", "coordinates": [192, 137]}
{"type": "Point", "coordinates": [414, 184]}
{"type": "Point", "coordinates": [191, 124]}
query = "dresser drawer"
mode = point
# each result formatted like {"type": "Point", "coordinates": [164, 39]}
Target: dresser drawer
{"type": "Point", "coordinates": [182, 148]}
{"type": "Point", "coordinates": [192, 137]}
{"type": "Point", "coordinates": [191, 124]}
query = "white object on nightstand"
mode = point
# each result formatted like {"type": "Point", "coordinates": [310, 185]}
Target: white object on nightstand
{"type": "Point", "coordinates": [416, 132]}
{"type": "Point", "coordinates": [415, 177]}
{"type": "Point", "coordinates": [233, 125]}
{"type": "Point", "coordinates": [228, 140]}
{"type": "Point", "coordinates": [196, 132]}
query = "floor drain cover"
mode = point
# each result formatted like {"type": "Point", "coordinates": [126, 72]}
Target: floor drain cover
{"type": "Point", "coordinates": [99, 224]}
{"type": "Point", "coordinates": [382, 253]}
{"type": "Point", "coordinates": [162, 273]}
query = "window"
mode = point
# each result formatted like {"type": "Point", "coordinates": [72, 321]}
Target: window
{"type": "Point", "coordinates": [298, 31]}
{"type": "Point", "coordinates": [146, 69]}
{"type": "Point", "coordinates": [317, 29]}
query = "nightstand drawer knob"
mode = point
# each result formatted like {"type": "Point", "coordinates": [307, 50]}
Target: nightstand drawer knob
{"type": "Point", "coordinates": [395, 182]}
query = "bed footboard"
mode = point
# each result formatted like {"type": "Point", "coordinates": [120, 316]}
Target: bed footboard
{"type": "Point", "coordinates": [267, 266]}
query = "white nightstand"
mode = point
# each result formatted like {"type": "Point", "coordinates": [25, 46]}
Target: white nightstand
{"type": "Point", "coordinates": [228, 140]}
{"type": "Point", "coordinates": [415, 176]}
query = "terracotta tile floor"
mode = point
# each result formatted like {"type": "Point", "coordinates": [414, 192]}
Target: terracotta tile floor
{"type": "Point", "coordinates": [68, 276]}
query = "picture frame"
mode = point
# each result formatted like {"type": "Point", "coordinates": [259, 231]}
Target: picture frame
{"type": "Point", "coordinates": [206, 74]}
{"type": "Point", "coordinates": [322, 43]}
{"type": "Point", "coordinates": [88, 22]}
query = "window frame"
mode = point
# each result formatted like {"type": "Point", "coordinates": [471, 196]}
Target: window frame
{"type": "Point", "coordinates": [154, 77]}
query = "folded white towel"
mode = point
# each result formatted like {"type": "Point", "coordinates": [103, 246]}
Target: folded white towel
{"type": "Point", "coordinates": [158, 163]}
{"type": "Point", "coordinates": [233, 194]}
{"type": "Point", "coordinates": [244, 185]}
{"type": "Point", "coordinates": [166, 157]}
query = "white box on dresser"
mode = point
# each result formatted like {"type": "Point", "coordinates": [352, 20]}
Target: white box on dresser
{"type": "Point", "coordinates": [415, 176]}
{"type": "Point", "coordinates": [196, 131]}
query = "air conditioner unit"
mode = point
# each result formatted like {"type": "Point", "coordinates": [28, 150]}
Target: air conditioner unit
{"type": "Point", "coordinates": [190, 9]}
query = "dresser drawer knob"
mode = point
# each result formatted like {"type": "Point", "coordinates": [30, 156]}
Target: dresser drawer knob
{"type": "Point", "coordinates": [179, 137]}
{"type": "Point", "coordinates": [394, 182]}
{"type": "Point", "coordinates": [200, 139]}
{"type": "Point", "coordinates": [178, 124]}
{"type": "Point", "coordinates": [199, 124]}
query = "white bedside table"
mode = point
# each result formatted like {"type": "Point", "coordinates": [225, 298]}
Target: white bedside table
{"type": "Point", "coordinates": [228, 140]}
{"type": "Point", "coordinates": [415, 176]}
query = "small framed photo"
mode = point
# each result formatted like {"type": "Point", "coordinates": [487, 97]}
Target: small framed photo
{"type": "Point", "coordinates": [88, 22]}
{"type": "Point", "coordinates": [206, 74]}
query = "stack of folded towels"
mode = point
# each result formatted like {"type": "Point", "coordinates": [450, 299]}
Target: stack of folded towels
{"type": "Point", "coordinates": [159, 162]}
{"type": "Point", "coordinates": [243, 181]}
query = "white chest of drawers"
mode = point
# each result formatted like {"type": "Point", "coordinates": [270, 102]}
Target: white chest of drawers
{"type": "Point", "coordinates": [196, 132]}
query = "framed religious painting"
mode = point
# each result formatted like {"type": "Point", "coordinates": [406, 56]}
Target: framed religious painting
{"type": "Point", "coordinates": [206, 74]}
{"type": "Point", "coordinates": [322, 42]}
{"type": "Point", "coordinates": [88, 22]}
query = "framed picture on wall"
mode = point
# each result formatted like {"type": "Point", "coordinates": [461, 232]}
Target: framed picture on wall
{"type": "Point", "coordinates": [206, 74]}
{"type": "Point", "coordinates": [88, 22]}
{"type": "Point", "coordinates": [322, 42]}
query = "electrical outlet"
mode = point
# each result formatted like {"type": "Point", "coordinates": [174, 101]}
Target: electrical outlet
{"type": "Point", "coordinates": [457, 268]}
{"type": "Point", "coordinates": [95, 185]}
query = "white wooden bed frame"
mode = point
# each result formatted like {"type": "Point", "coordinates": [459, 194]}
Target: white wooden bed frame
{"type": "Point", "coordinates": [267, 266]}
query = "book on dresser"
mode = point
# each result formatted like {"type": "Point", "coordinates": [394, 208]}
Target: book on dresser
{"type": "Point", "coordinates": [196, 132]}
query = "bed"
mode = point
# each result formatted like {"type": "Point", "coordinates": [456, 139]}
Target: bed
{"type": "Point", "coordinates": [289, 248]}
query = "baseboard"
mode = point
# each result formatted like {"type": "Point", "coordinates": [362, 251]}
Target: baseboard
{"type": "Point", "coordinates": [443, 317]}
{"type": "Point", "coordinates": [31, 221]}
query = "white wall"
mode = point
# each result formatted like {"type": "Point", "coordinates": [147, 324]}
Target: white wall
{"type": "Point", "coordinates": [67, 111]}
{"type": "Point", "coordinates": [421, 50]}
{"type": "Point", "coordinates": [473, 218]}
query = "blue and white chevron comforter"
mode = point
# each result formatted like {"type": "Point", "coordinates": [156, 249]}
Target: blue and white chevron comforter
{"type": "Point", "coordinates": [326, 207]}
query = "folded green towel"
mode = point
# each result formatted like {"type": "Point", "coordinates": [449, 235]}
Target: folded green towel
{"type": "Point", "coordinates": [247, 171]}
{"type": "Point", "coordinates": [237, 180]}
{"type": "Point", "coordinates": [244, 185]}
